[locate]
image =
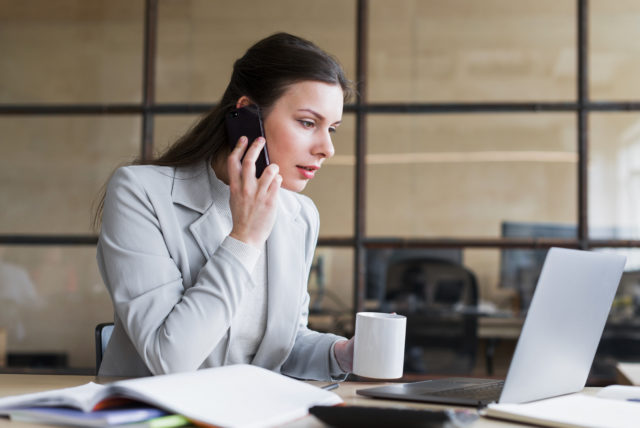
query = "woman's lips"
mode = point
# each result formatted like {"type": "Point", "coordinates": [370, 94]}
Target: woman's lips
{"type": "Point", "coordinates": [307, 172]}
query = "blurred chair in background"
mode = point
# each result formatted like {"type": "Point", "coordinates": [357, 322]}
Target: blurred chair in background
{"type": "Point", "coordinates": [440, 300]}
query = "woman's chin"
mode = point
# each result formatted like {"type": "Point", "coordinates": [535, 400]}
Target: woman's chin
{"type": "Point", "coordinates": [294, 185]}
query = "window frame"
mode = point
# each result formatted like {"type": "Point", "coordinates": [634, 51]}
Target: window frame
{"type": "Point", "coordinates": [582, 106]}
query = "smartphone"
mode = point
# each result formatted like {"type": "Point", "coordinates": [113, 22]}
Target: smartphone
{"type": "Point", "coordinates": [247, 121]}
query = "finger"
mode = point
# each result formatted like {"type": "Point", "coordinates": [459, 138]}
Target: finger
{"type": "Point", "coordinates": [268, 175]}
{"type": "Point", "coordinates": [239, 147]}
{"type": "Point", "coordinates": [250, 157]}
{"type": "Point", "coordinates": [274, 186]}
{"type": "Point", "coordinates": [234, 165]}
{"type": "Point", "coordinates": [254, 150]}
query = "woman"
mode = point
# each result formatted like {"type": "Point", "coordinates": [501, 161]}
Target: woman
{"type": "Point", "coordinates": [206, 264]}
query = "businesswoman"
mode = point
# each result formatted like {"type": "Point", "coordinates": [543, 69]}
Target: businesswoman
{"type": "Point", "coordinates": [207, 265]}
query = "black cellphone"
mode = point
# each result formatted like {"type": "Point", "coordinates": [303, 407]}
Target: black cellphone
{"type": "Point", "coordinates": [382, 417]}
{"type": "Point", "coordinates": [247, 122]}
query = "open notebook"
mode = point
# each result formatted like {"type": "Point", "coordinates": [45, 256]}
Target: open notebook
{"type": "Point", "coordinates": [558, 341]}
{"type": "Point", "coordinates": [237, 395]}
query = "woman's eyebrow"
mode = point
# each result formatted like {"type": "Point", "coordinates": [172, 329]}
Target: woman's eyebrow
{"type": "Point", "coordinates": [318, 115]}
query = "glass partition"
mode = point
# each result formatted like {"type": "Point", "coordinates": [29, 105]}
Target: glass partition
{"type": "Point", "coordinates": [614, 176]}
{"type": "Point", "coordinates": [331, 291]}
{"type": "Point", "coordinates": [614, 50]}
{"type": "Point", "coordinates": [199, 40]}
{"type": "Point", "coordinates": [493, 50]}
{"type": "Point", "coordinates": [52, 299]}
{"type": "Point", "coordinates": [434, 175]}
{"type": "Point", "coordinates": [53, 168]}
{"type": "Point", "coordinates": [71, 52]}
{"type": "Point", "coordinates": [168, 128]}
{"type": "Point", "coordinates": [468, 175]}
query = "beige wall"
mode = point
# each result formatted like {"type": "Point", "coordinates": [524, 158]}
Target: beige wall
{"type": "Point", "coordinates": [454, 175]}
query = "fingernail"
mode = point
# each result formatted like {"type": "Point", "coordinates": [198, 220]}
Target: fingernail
{"type": "Point", "coordinates": [243, 139]}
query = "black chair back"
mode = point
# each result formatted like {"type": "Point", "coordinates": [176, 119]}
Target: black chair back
{"type": "Point", "coordinates": [102, 335]}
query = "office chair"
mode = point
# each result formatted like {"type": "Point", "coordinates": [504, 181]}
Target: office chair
{"type": "Point", "coordinates": [439, 298]}
{"type": "Point", "coordinates": [102, 335]}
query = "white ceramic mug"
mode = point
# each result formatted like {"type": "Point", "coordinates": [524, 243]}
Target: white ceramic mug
{"type": "Point", "coordinates": [379, 345]}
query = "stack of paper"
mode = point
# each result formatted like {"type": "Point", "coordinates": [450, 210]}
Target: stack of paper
{"type": "Point", "coordinates": [576, 410]}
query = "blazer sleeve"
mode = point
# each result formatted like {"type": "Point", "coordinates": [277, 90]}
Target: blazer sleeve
{"type": "Point", "coordinates": [172, 328]}
{"type": "Point", "coordinates": [311, 356]}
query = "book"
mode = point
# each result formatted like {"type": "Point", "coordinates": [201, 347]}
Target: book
{"type": "Point", "coordinates": [568, 411]}
{"type": "Point", "coordinates": [238, 395]}
{"type": "Point", "coordinates": [76, 417]}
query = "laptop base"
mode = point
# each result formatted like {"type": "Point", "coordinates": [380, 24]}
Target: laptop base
{"type": "Point", "coordinates": [458, 390]}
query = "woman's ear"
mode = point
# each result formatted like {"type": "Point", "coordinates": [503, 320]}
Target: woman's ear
{"type": "Point", "coordinates": [243, 101]}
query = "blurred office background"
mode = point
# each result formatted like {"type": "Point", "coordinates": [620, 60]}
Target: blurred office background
{"type": "Point", "coordinates": [484, 132]}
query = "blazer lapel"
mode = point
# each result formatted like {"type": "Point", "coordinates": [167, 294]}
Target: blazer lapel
{"type": "Point", "coordinates": [207, 235]}
{"type": "Point", "coordinates": [286, 284]}
{"type": "Point", "coordinates": [192, 188]}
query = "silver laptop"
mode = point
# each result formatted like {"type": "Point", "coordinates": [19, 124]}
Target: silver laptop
{"type": "Point", "coordinates": [557, 344]}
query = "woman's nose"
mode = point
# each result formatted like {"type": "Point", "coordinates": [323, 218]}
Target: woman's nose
{"type": "Point", "coordinates": [325, 146]}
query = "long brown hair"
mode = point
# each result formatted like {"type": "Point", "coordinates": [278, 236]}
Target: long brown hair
{"type": "Point", "coordinates": [262, 74]}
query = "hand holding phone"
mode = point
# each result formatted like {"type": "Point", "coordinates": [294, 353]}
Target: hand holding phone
{"type": "Point", "coordinates": [247, 122]}
{"type": "Point", "coordinates": [253, 202]}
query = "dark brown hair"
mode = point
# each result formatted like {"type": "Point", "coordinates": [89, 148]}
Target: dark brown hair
{"type": "Point", "coordinates": [262, 74]}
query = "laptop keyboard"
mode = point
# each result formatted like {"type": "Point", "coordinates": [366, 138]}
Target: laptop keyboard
{"type": "Point", "coordinates": [487, 392]}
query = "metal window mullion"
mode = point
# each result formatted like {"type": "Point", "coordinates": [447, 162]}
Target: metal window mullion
{"type": "Point", "coordinates": [369, 108]}
{"type": "Point", "coordinates": [148, 77]}
{"type": "Point", "coordinates": [582, 122]}
{"type": "Point", "coordinates": [362, 26]}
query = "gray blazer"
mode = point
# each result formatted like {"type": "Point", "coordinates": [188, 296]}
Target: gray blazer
{"type": "Point", "coordinates": [175, 289]}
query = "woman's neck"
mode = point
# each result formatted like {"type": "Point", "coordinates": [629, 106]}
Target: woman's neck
{"type": "Point", "coordinates": [219, 165]}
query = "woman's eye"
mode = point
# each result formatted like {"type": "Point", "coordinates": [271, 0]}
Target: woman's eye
{"type": "Point", "coordinates": [307, 123]}
{"type": "Point", "coordinates": [333, 129]}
